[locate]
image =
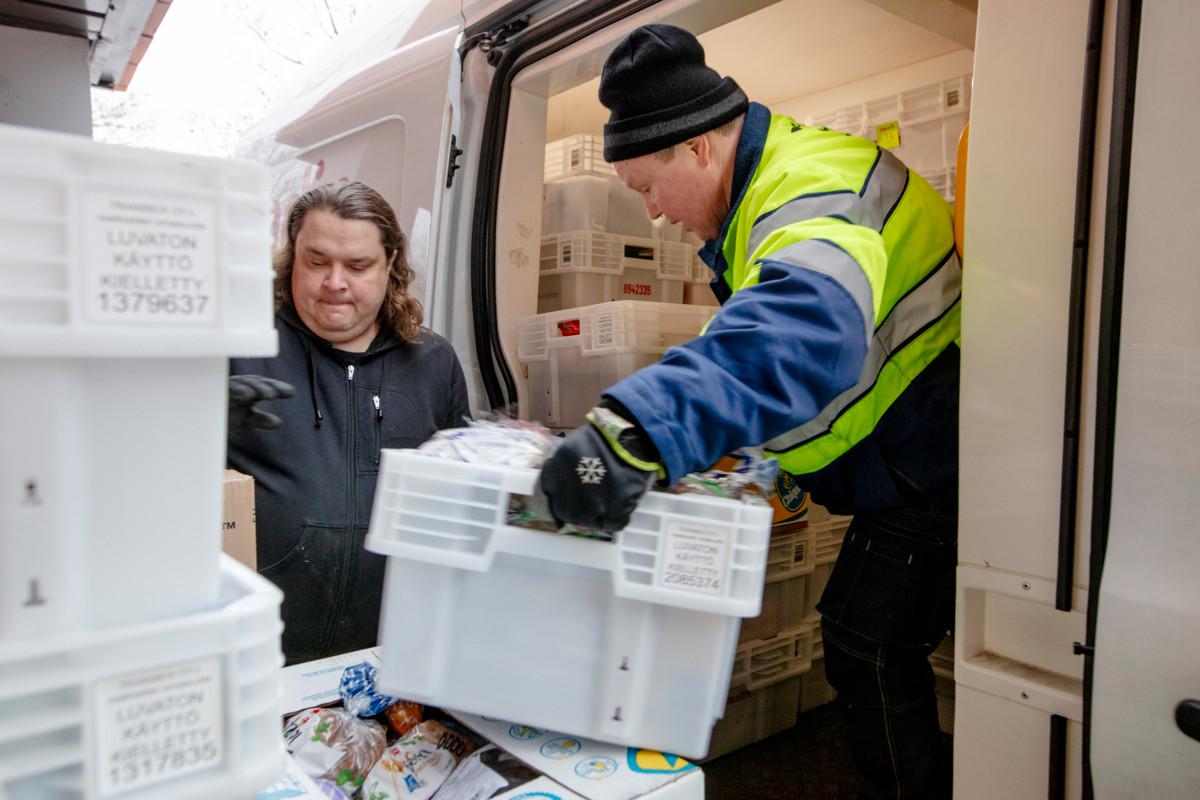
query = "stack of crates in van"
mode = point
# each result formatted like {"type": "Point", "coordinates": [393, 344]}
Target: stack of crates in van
{"type": "Point", "coordinates": [928, 121]}
{"type": "Point", "coordinates": [597, 242]}
{"type": "Point", "coordinates": [573, 355]}
{"type": "Point", "coordinates": [135, 660]}
{"type": "Point", "coordinates": [779, 652]}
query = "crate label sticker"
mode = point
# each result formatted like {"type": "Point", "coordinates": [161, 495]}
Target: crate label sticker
{"type": "Point", "coordinates": [158, 724]}
{"type": "Point", "coordinates": [695, 558]}
{"type": "Point", "coordinates": [887, 135]}
{"type": "Point", "coordinates": [148, 260]}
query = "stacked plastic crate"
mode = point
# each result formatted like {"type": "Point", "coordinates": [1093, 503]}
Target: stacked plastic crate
{"type": "Point", "coordinates": [134, 659]}
{"type": "Point", "coordinates": [597, 243]}
{"type": "Point", "coordinates": [929, 120]}
{"type": "Point", "coordinates": [829, 531]}
{"type": "Point", "coordinates": [573, 355]}
{"type": "Point", "coordinates": [779, 651]}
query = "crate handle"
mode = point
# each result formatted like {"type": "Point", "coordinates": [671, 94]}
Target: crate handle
{"type": "Point", "coordinates": [641, 252]}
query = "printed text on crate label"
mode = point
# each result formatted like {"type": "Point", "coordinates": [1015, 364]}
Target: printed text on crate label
{"type": "Point", "coordinates": [695, 558]}
{"type": "Point", "coordinates": [148, 260]}
{"type": "Point", "coordinates": [158, 724]}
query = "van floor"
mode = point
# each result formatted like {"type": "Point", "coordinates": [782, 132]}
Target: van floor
{"type": "Point", "coordinates": [809, 760]}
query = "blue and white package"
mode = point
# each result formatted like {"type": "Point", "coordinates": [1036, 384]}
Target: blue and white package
{"type": "Point", "coordinates": [358, 691]}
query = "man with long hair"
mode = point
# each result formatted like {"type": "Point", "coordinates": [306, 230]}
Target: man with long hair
{"type": "Point", "coordinates": [350, 339]}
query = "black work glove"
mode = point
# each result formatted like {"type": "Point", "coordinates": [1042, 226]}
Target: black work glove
{"type": "Point", "coordinates": [596, 477]}
{"type": "Point", "coordinates": [245, 391]}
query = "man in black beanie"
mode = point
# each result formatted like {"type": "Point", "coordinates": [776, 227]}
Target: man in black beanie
{"type": "Point", "coordinates": [835, 348]}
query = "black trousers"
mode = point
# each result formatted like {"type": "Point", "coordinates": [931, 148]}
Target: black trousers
{"type": "Point", "coordinates": [889, 602]}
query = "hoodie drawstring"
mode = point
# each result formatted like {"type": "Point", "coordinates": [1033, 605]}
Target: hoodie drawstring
{"type": "Point", "coordinates": [312, 385]}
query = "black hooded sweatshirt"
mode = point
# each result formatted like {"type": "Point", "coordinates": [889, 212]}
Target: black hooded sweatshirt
{"type": "Point", "coordinates": [315, 476]}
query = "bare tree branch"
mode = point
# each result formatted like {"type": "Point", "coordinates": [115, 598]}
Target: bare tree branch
{"type": "Point", "coordinates": [262, 38]}
{"type": "Point", "coordinates": [332, 22]}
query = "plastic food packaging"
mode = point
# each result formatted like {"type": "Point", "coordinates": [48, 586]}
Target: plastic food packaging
{"type": "Point", "coordinates": [415, 766]}
{"type": "Point", "coordinates": [488, 771]}
{"type": "Point", "coordinates": [333, 745]}
{"type": "Point", "coordinates": [357, 689]}
{"type": "Point", "coordinates": [752, 474]}
{"type": "Point", "coordinates": [402, 716]}
{"type": "Point", "coordinates": [511, 442]}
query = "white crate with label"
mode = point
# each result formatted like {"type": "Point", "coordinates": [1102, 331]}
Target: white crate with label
{"type": "Point", "coordinates": [630, 641]}
{"type": "Point", "coordinates": [575, 354]}
{"type": "Point", "coordinates": [581, 268]}
{"type": "Point", "coordinates": [184, 708]}
{"type": "Point", "coordinates": [127, 279]}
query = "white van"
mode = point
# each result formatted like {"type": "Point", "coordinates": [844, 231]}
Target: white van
{"type": "Point", "coordinates": [1081, 346]}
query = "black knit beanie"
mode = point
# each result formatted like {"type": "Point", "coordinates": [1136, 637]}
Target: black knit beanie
{"type": "Point", "coordinates": [660, 92]}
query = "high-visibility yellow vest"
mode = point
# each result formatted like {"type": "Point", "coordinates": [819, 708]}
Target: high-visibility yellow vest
{"type": "Point", "coordinates": [841, 206]}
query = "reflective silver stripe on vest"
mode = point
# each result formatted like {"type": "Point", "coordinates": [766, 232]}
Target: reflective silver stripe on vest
{"type": "Point", "coordinates": [882, 192]}
{"type": "Point", "coordinates": [921, 307]}
{"type": "Point", "coordinates": [871, 208]}
{"type": "Point", "coordinates": [826, 258]}
{"type": "Point", "coordinates": [810, 206]}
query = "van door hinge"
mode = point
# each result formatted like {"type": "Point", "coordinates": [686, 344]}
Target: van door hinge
{"type": "Point", "coordinates": [1084, 650]}
{"type": "Point", "coordinates": [492, 42]}
{"type": "Point", "coordinates": [452, 165]}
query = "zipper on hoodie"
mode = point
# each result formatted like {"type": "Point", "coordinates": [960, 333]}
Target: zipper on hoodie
{"type": "Point", "coordinates": [349, 559]}
{"type": "Point", "coordinates": [378, 426]}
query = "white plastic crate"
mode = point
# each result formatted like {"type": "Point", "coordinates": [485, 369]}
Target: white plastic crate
{"type": "Point", "coordinates": [762, 662]}
{"type": "Point", "coordinates": [184, 708]}
{"type": "Point", "coordinates": [582, 154]}
{"type": "Point", "coordinates": [667, 231]}
{"type": "Point", "coordinates": [931, 119]}
{"type": "Point", "coordinates": [582, 268]}
{"type": "Point", "coordinates": [828, 538]}
{"type": "Point", "coordinates": [594, 203]}
{"type": "Point", "coordinates": [698, 290]}
{"type": "Point", "coordinates": [783, 608]}
{"type": "Point", "coordinates": [942, 180]}
{"type": "Point", "coordinates": [816, 587]}
{"type": "Point", "coordinates": [114, 251]}
{"type": "Point", "coordinates": [127, 279]}
{"type": "Point", "coordinates": [575, 354]}
{"type": "Point", "coordinates": [791, 554]}
{"type": "Point", "coordinates": [629, 642]}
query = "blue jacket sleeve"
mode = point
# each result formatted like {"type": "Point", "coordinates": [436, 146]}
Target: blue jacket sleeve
{"type": "Point", "coordinates": [774, 355]}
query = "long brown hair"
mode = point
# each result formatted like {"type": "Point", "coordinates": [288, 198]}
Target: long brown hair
{"type": "Point", "coordinates": [355, 200]}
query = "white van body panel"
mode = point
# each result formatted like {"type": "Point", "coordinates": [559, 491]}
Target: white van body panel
{"type": "Point", "coordinates": [1148, 632]}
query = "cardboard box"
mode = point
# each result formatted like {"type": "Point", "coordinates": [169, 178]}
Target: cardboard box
{"type": "Point", "coordinates": [591, 769]}
{"type": "Point", "coordinates": [238, 537]}
{"type": "Point", "coordinates": [316, 683]}
{"type": "Point", "coordinates": [571, 768]}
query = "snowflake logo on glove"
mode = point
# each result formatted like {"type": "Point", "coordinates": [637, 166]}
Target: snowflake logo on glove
{"type": "Point", "coordinates": [590, 470]}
